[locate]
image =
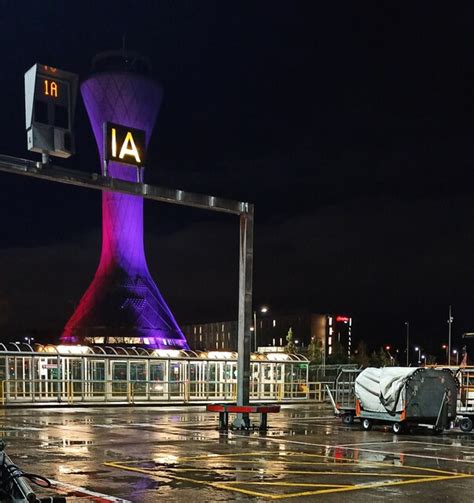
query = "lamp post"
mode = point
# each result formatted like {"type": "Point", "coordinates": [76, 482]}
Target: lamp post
{"type": "Point", "coordinates": [450, 322]}
{"type": "Point", "coordinates": [408, 342]}
{"type": "Point", "coordinates": [263, 309]}
{"type": "Point", "coordinates": [387, 348]}
{"type": "Point", "coordinates": [417, 348]}
{"type": "Point", "coordinates": [455, 352]}
{"type": "Point", "coordinates": [445, 347]}
{"type": "Point", "coordinates": [423, 357]}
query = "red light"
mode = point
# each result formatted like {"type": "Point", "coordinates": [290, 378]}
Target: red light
{"type": "Point", "coordinates": [342, 318]}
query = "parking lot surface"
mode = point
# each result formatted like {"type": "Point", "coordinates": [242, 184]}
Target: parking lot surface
{"type": "Point", "coordinates": [145, 454]}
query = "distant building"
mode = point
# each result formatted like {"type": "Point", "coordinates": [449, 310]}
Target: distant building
{"type": "Point", "coordinates": [221, 335]}
{"type": "Point", "coordinates": [329, 329]}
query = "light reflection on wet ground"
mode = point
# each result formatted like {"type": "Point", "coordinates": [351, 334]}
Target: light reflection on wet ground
{"type": "Point", "coordinates": [144, 454]}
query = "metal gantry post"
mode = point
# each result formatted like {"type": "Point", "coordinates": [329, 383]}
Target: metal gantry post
{"type": "Point", "coordinates": [245, 313]}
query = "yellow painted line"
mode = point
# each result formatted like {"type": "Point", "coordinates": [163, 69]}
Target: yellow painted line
{"type": "Point", "coordinates": [292, 454]}
{"type": "Point", "coordinates": [217, 485]}
{"type": "Point", "coordinates": [198, 458]}
{"type": "Point", "coordinates": [348, 462]}
{"type": "Point", "coordinates": [375, 485]}
{"type": "Point", "coordinates": [363, 463]}
{"type": "Point", "coordinates": [284, 462]}
{"type": "Point", "coordinates": [230, 487]}
{"type": "Point", "coordinates": [244, 491]}
{"type": "Point", "coordinates": [285, 484]}
{"type": "Point", "coordinates": [302, 472]}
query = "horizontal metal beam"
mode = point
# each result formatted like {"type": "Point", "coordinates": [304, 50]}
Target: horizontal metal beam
{"type": "Point", "coordinates": [96, 181]}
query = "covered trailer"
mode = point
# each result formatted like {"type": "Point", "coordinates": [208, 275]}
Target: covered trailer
{"type": "Point", "coordinates": [403, 396]}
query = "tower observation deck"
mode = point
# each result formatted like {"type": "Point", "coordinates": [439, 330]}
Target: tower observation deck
{"type": "Point", "coordinates": [123, 303]}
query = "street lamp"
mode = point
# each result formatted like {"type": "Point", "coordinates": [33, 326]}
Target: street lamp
{"type": "Point", "coordinates": [392, 359]}
{"type": "Point", "coordinates": [263, 309]}
{"type": "Point", "coordinates": [423, 357]}
{"type": "Point", "coordinates": [417, 348]}
{"type": "Point", "coordinates": [450, 322]}
{"type": "Point", "coordinates": [455, 352]}
{"type": "Point", "coordinates": [445, 347]}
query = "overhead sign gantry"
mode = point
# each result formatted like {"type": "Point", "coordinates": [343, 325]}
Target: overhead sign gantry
{"type": "Point", "coordinates": [50, 98]}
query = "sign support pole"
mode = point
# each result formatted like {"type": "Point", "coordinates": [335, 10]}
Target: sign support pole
{"type": "Point", "coordinates": [245, 314]}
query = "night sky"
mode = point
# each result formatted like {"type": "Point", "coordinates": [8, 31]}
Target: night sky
{"type": "Point", "coordinates": [348, 125]}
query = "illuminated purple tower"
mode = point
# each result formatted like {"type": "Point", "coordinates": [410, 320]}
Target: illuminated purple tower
{"type": "Point", "coordinates": [123, 303]}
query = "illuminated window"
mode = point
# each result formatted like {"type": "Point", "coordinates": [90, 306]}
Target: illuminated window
{"type": "Point", "coordinates": [274, 323]}
{"type": "Point", "coordinates": [200, 330]}
{"type": "Point", "coordinates": [194, 330]}
{"type": "Point", "coordinates": [330, 340]}
{"type": "Point", "coordinates": [281, 341]}
{"type": "Point", "coordinates": [222, 328]}
{"type": "Point", "coordinates": [222, 345]}
{"type": "Point", "coordinates": [217, 345]}
{"type": "Point", "coordinates": [330, 350]}
{"type": "Point", "coordinates": [331, 331]}
{"type": "Point", "coordinates": [200, 338]}
{"type": "Point", "coordinates": [274, 342]}
{"type": "Point", "coordinates": [330, 320]}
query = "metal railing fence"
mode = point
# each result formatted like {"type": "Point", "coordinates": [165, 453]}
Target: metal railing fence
{"type": "Point", "coordinates": [70, 391]}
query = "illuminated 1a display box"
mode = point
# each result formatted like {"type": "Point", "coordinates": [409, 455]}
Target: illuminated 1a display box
{"type": "Point", "coordinates": [50, 99]}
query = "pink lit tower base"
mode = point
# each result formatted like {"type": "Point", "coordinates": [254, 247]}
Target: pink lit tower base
{"type": "Point", "coordinates": [122, 304]}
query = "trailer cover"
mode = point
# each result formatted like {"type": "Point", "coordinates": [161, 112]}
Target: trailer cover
{"type": "Point", "coordinates": [382, 389]}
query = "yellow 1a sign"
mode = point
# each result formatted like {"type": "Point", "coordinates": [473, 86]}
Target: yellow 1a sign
{"type": "Point", "coordinates": [124, 144]}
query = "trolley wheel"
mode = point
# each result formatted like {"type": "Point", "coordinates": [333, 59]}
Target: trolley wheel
{"type": "Point", "coordinates": [366, 424]}
{"type": "Point", "coordinates": [398, 428]}
{"type": "Point", "coordinates": [466, 424]}
{"type": "Point", "coordinates": [348, 419]}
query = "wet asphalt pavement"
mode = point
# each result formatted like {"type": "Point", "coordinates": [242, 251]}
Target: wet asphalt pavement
{"type": "Point", "coordinates": [145, 454]}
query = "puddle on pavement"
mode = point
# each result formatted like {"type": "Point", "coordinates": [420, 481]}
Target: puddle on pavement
{"type": "Point", "coordinates": [66, 442]}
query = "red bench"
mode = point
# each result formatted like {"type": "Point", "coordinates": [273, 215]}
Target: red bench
{"type": "Point", "coordinates": [225, 408]}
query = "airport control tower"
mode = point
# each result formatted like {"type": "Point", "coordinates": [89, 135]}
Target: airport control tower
{"type": "Point", "coordinates": [123, 303]}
